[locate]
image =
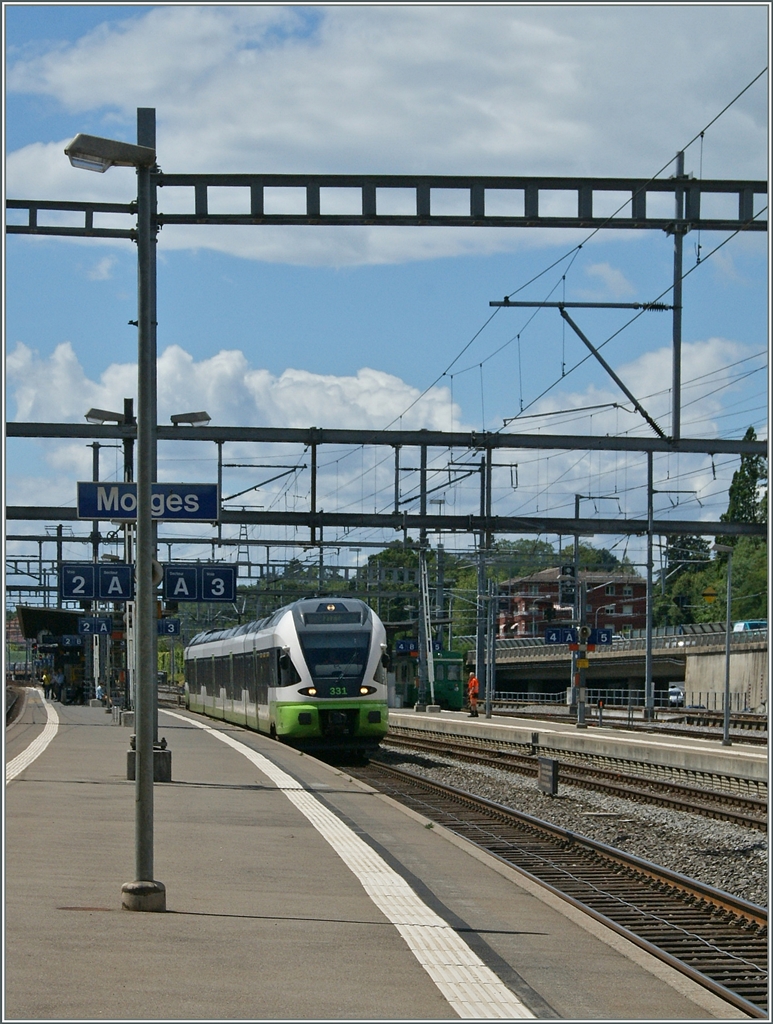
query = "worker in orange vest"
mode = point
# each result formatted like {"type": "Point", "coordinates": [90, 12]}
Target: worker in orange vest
{"type": "Point", "coordinates": [472, 693]}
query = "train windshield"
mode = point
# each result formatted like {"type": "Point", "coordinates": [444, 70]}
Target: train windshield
{"type": "Point", "coordinates": [336, 659]}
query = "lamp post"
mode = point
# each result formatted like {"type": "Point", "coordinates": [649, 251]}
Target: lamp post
{"type": "Point", "coordinates": [726, 549]}
{"type": "Point", "coordinates": [97, 154]}
{"type": "Point", "coordinates": [124, 419]}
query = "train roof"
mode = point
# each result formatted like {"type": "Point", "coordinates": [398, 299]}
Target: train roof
{"type": "Point", "coordinates": [211, 635]}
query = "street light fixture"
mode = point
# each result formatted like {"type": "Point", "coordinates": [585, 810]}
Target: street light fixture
{"type": "Point", "coordinates": [726, 549]}
{"type": "Point", "coordinates": [95, 154]}
{"type": "Point", "coordinates": [100, 416]}
{"type": "Point", "coordinates": [91, 153]}
{"type": "Point", "coordinates": [191, 418]}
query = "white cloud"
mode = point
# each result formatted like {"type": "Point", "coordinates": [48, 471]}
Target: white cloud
{"type": "Point", "coordinates": [480, 89]}
{"type": "Point", "coordinates": [57, 389]}
{"type": "Point", "coordinates": [614, 281]}
{"type": "Point", "coordinates": [103, 270]}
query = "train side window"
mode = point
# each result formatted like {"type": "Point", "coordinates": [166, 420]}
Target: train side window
{"type": "Point", "coordinates": [288, 673]}
{"type": "Point", "coordinates": [238, 675]}
{"type": "Point", "coordinates": [250, 680]}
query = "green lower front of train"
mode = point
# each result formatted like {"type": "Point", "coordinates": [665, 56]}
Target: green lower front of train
{"type": "Point", "coordinates": [332, 725]}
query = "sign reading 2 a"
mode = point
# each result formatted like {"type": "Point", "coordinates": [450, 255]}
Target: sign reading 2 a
{"type": "Point", "coordinates": [87, 581]}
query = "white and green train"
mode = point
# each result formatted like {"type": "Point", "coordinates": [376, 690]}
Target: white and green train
{"type": "Point", "coordinates": [312, 674]}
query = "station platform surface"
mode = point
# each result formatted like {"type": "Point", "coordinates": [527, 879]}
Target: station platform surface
{"type": "Point", "coordinates": [746, 760]}
{"type": "Point", "coordinates": [294, 892]}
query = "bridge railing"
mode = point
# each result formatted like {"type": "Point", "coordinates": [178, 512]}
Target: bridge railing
{"type": "Point", "coordinates": [535, 647]}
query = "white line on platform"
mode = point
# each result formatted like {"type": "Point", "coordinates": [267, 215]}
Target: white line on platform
{"type": "Point", "coordinates": [472, 989]}
{"type": "Point", "coordinates": [38, 745]}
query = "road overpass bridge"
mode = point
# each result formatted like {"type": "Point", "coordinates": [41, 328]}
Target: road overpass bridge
{"type": "Point", "coordinates": [696, 662]}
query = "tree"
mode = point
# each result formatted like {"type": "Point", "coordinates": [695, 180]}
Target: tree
{"type": "Point", "coordinates": [747, 500]}
{"type": "Point", "coordinates": [596, 559]}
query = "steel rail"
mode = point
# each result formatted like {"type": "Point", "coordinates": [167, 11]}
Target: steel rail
{"type": "Point", "coordinates": [750, 812]}
{"type": "Point", "coordinates": [668, 893]}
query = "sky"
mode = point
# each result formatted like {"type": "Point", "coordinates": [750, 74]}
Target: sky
{"type": "Point", "coordinates": [349, 327]}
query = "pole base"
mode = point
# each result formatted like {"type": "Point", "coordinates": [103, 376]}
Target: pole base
{"type": "Point", "coordinates": [162, 765]}
{"type": "Point", "coordinates": [149, 897]}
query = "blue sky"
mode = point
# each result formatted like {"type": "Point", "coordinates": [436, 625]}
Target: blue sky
{"type": "Point", "coordinates": [346, 327]}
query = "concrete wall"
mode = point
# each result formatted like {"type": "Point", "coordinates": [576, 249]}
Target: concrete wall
{"type": "Point", "coordinates": [705, 674]}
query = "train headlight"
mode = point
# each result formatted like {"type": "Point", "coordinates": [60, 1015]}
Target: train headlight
{"type": "Point", "coordinates": [312, 691]}
{"type": "Point", "coordinates": [367, 689]}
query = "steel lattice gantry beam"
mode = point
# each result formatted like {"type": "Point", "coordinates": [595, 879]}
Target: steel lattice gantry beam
{"type": "Point", "coordinates": [313, 437]}
{"type": "Point", "coordinates": [402, 521]}
{"type": "Point", "coordinates": [315, 191]}
{"type": "Point", "coordinates": [472, 440]}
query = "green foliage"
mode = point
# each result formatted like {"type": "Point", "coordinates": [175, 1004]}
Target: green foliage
{"type": "Point", "coordinates": [596, 559]}
{"type": "Point", "coordinates": [691, 569]}
{"type": "Point", "coordinates": [747, 497]}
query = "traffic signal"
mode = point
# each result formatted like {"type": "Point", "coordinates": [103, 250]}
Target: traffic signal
{"type": "Point", "coordinates": [566, 585]}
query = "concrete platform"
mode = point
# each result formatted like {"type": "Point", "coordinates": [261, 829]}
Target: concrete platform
{"type": "Point", "coordinates": [277, 909]}
{"type": "Point", "coordinates": [746, 760]}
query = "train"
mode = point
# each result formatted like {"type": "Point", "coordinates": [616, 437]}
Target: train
{"type": "Point", "coordinates": [313, 674]}
{"type": "Point", "coordinates": [450, 690]}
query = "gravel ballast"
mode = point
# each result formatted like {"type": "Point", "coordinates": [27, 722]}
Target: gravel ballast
{"type": "Point", "coordinates": [726, 856]}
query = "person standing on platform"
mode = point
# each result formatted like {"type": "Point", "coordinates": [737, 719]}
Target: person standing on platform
{"type": "Point", "coordinates": [47, 684]}
{"type": "Point", "coordinates": [472, 694]}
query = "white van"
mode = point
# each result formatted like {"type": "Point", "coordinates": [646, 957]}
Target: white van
{"type": "Point", "coordinates": [675, 696]}
{"type": "Point", "coordinates": [749, 624]}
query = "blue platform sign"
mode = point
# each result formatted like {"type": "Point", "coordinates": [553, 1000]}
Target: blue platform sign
{"type": "Point", "coordinates": [560, 635]}
{"type": "Point", "coordinates": [95, 625]}
{"type": "Point", "coordinates": [168, 627]}
{"type": "Point", "coordinates": [218, 583]}
{"type": "Point", "coordinates": [88, 581]}
{"type": "Point", "coordinates": [412, 646]}
{"type": "Point", "coordinates": [115, 582]}
{"type": "Point", "coordinates": [204, 582]}
{"type": "Point", "coordinates": [600, 637]}
{"type": "Point", "coordinates": [77, 581]}
{"type": "Point", "coordinates": [72, 640]}
{"type": "Point", "coordinates": [189, 503]}
{"type": "Point", "coordinates": [181, 583]}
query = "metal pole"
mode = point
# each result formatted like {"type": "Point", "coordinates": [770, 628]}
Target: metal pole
{"type": "Point", "coordinates": [491, 647]}
{"type": "Point", "coordinates": [582, 655]}
{"type": "Point", "coordinates": [145, 894]}
{"type": "Point", "coordinates": [480, 622]}
{"type": "Point", "coordinates": [574, 681]}
{"type": "Point", "coordinates": [59, 535]}
{"type": "Point", "coordinates": [676, 381]}
{"type": "Point", "coordinates": [95, 522]}
{"type": "Point", "coordinates": [728, 625]}
{"type": "Point", "coordinates": [219, 485]}
{"type": "Point", "coordinates": [649, 689]}
{"type": "Point", "coordinates": [424, 639]}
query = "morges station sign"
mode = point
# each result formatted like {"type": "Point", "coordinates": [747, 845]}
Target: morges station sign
{"type": "Point", "coordinates": [190, 503]}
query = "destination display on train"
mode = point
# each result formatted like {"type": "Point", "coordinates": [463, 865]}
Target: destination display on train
{"type": "Point", "coordinates": [332, 618]}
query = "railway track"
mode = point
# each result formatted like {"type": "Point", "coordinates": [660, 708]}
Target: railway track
{"type": "Point", "coordinates": [697, 724]}
{"type": "Point", "coordinates": [726, 805]}
{"type": "Point", "coordinates": [718, 940]}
